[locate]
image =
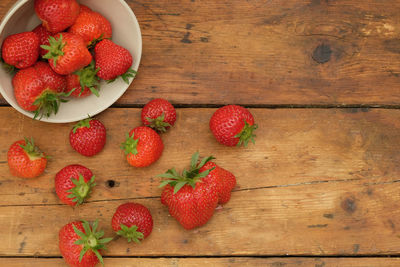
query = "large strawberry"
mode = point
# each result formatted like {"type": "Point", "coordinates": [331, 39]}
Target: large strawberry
{"type": "Point", "coordinates": [43, 35]}
{"type": "Point", "coordinates": [25, 159]}
{"type": "Point", "coordinates": [83, 82]}
{"type": "Point", "coordinates": [191, 197]}
{"type": "Point", "coordinates": [113, 61]}
{"type": "Point", "coordinates": [57, 15]}
{"type": "Point", "coordinates": [158, 114]}
{"type": "Point", "coordinates": [39, 89]}
{"type": "Point", "coordinates": [92, 27]}
{"type": "Point", "coordinates": [88, 137]}
{"type": "Point", "coordinates": [81, 244]}
{"type": "Point", "coordinates": [143, 146]}
{"type": "Point", "coordinates": [132, 221]}
{"type": "Point", "coordinates": [21, 50]}
{"type": "Point", "coordinates": [67, 53]}
{"type": "Point", "coordinates": [74, 184]}
{"type": "Point", "coordinates": [233, 125]}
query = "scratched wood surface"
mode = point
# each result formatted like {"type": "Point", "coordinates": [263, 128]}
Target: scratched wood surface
{"type": "Point", "coordinates": [267, 52]}
{"type": "Point", "coordinates": [319, 182]}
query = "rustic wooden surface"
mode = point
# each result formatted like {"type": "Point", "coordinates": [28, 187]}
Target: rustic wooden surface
{"type": "Point", "coordinates": [320, 188]}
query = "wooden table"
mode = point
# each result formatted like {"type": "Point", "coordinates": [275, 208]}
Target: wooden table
{"type": "Point", "coordinates": [320, 187]}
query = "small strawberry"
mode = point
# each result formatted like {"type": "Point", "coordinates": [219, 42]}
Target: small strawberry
{"type": "Point", "coordinates": [57, 15]}
{"type": "Point", "coordinates": [191, 197]}
{"type": "Point", "coordinates": [233, 125]}
{"type": "Point", "coordinates": [67, 53]}
{"type": "Point", "coordinates": [74, 184]}
{"type": "Point", "coordinates": [113, 61]}
{"type": "Point", "coordinates": [88, 137]}
{"type": "Point", "coordinates": [132, 221]}
{"type": "Point", "coordinates": [25, 159]}
{"type": "Point", "coordinates": [81, 244]}
{"type": "Point", "coordinates": [92, 27]}
{"type": "Point", "coordinates": [159, 114]}
{"type": "Point", "coordinates": [83, 82]}
{"type": "Point", "coordinates": [39, 89]}
{"type": "Point", "coordinates": [21, 50]}
{"type": "Point", "coordinates": [43, 35]}
{"type": "Point", "coordinates": [143, 146]}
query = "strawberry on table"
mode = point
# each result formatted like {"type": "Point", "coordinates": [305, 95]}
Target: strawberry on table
{"type": "Point", "coordinates": [132, 221]}
{"type": "Point", "coordinates": [159, 114]}
{"type": "Point", "coordinates": [113, 61]}
{"type": "Point", "coordinates": [88, 137]}
{"type": "Point", "coordinates": [233, 125]}
{"type": "Point", "coordinates": [81, 244]}
{"type": "Point", "coordinates": [67, 53]}
{"type": "Point", "coordinates": [191, 197]}
{"type": "Point", "coordinates": [39, 89]}
{"type": "Point", "coordinates": [21, 50]}
{"type": "Point", "coordinates": [25, 160]}
{"type": "Point", "coordinates": [83, 82]}
{"type": "Point", "coordinates": [43, 35]}
{"type": "Point", "coordinates": [74, 184]}
{"type": "Point", "coordinates": [57, 15]}
{"type": "Point", "coordinates": [92, 27]}
{"type": "Point", "coordinates": [143, 146]}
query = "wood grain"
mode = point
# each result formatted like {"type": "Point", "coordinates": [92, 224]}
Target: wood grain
{"type": "Point", "coordinates": [267, 52]}
{"type": "Point", "coordinates": [318, 182]}
{"type": "Point", "coordinates": [216, 262]}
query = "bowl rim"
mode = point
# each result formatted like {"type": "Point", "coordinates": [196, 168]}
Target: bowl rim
{"type": "Point", "coordinates": [53, 119]}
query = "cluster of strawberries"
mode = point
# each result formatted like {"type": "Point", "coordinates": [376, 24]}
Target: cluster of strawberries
{"type": "Point", "coordinates": [191, 197]}
{"type": "Point", "coordinates": [67, 55]}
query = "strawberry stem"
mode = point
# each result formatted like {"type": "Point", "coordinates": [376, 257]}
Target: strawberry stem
{"type": "Point", "coordinates": [246, 134]}
{"type": "Point", "coordinates": [82, 189]}
{"type": "Point", "coordinates": [130, 233]}
{"type": "Point", "coordinates": [31, 150]}
{"type": "Point", "coordinates": [158, 123]}
{"type": "Point", "coordinates": [88, 78]}
{"type": "Point", "coordinates": [55, 48]}
{"type": "Point", "coordinates": [48, 103]}
{"type": "Point", "coordinates": [81, 124]}
{"type": "Point", "coordinates": [130, 145]}
{"type": "Point", "coordinates": [129, 74]}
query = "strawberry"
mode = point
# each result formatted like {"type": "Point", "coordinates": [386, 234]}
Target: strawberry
{"type": "Point", "coordinates": [83, 82]}
{"type": "Point", "coordinates": [81, 244]}
{"type": "Point", "coordinates": [113, 61]}
{"type": "Point", "coordinates": [43, 35]}
{"type": "Point", "coordinates": [74, 184]}
{"type": "Point", "coordinates": [92, 27]}
{"type": "Point", "coordinates": [191, 197]}
{"type": "Point", "coordinates": [132, 221]}
{"type": "Point", "coordinates": [88, 137]}
{"type": "Point", "coordinates": [25, 159]}
{"type": "Point", "coordinates": [143, 146]}
{"type": "Point", "coordinates": [21, 50]}
{"type": "Point", "coordinates": [233, 125]}
{"type": "Point", "coordinates": [67, 53]}
{"type": "Point", "coordinates": [57, 15]}
{"type": "Point", "coordinates": [158, 114]}
{"type": "Point", "coordinates": [39, 89]}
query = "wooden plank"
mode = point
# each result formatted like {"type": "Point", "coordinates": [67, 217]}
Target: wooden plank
{"type": "Point", "coordinates": [294, 146]}
{"type": "Point", "coordinates": [215, 262]}
{"type": "Point", "coordinates": [267, 52]}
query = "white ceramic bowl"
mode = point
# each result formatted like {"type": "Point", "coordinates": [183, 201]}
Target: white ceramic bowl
{"type": "Point", "coordinates": [126, 32]}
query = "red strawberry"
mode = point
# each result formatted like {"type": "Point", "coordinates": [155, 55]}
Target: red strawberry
{"type": "Point", "coordinates": [83, 82]}
{"type": "Point", "coordinates": [88, 137]}
{"type": "Point", "coordinates": [159, 114]}
{"type": "Point", "coordinates": [143, 146]}
{"type": "Point", "coordinates": [21, 50]}
{"type": "Point", "coordinates": [39, 89]}
{"type": "Point", "coordinates": [67, 53]}
{"type": "Point", "coordinates": [132, 221]}
{"type": "Point", "coordinates": [113, 61]}
{"type": "Point", "coordinates": [43, 35]}
{"type": "Point", "coordinates": [25, 159]}
{"type": "Point", "coordinates": [233, 125]}
{"type": "Point", "coordinates": [191, 197]}
{"type": "Point", "coordinates": [81, 244]}
{"type": "Point", "coordinates": [74, 184]}
{"type": "Point", "coordinates": [57, 15]}
{"type": "Point", "coordinates": [92, 27]}
{"type": "Point", "coordinates": [222, 179]}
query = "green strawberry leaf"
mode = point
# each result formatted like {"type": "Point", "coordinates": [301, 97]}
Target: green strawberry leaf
{"type": "Point", "coordinates": [246, 134]}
